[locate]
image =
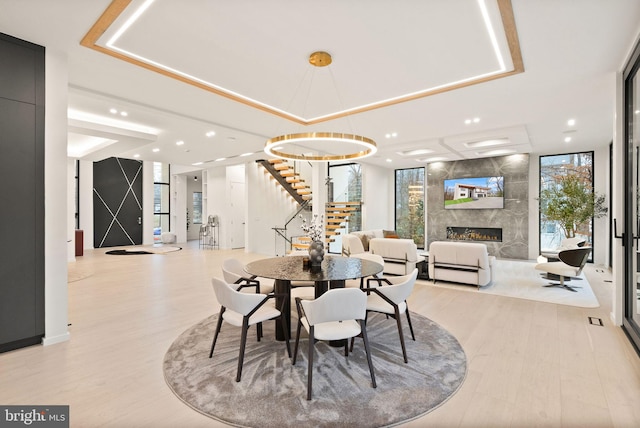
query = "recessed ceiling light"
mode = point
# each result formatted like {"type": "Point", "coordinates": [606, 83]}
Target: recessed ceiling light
{"type": "Point", "coordinates": [220, 159]}
{"type": "Point", "coordinates": [496, 152]}
{"type": "Point", "coordinates": [391, 135]}
{"type": "Point", "coordinates": [124, 113]}
{"type": "Point", "coordinates": [179, 143]}
{"type": "Point", "coordinates": [567, 139]}
{"type": "Point", "coordinates": [571, 122]}
{"type": "Point", "coordinates": [197, 163]}
{"type": "Point", "coordinates": [136, 155]}
{"type": "Point", "coordinates": [637, 112]}
{"type": "Point", "coordinates": [416, 152]}
{"type": "Point", "coordinates": [476, 119]}
{"type": "Point", "coordinates": [467, 122]}
{"type": "Point", "coordinates": [156, 150]}
{"type": "Point", "coordinates": [389, 160]}
{"type": "Point", "coordinates": [488, 143]}
{"type": "Point", "coordinates": [210, 133]}
{"type": "Point", "coordinates": [433, 159]}
{"type": "Point", "coordinates": [113, 111]}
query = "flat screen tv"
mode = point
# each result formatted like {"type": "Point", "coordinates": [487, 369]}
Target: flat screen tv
{"type": "Point", "coordinates": [474, 193]}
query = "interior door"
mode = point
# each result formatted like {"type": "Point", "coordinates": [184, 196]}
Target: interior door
{"type": "Point", "coordinates": [237, 223]}
{"type": "Point", "coordinates": [117, 202]}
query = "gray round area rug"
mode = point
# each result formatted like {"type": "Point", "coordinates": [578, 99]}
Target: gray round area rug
{"type": "Point", "coordinates": [272, 392]}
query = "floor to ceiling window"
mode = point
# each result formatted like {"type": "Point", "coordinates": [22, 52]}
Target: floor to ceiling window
{"type": "Point", "coordinates": [345, 185]}
{"type": "Point", "coordinates": [409, 208]}
{"type": "Point", "coordinates": [160, 200]}
{"type": "Point", "coordinates": [630, 230]}
{"type": "Point", "coordinates": [566, 195]}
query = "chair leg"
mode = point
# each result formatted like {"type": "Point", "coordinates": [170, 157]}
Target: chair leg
{"type": "Point", "coordinates": [285, 332]}
{"type": "Point", "coordinates": [363, 329]}
{"type": "Point", "coordinates": [295, 348]}
{"type": "Point", "coordinates": [310, 367]}
{"type": "Point", "coordinates": [243, 343]}
{"type": "Point", "coordinates": [409, 322]}
{"type": "Point", "coordinates": [259, 330]}
{"type": "Point", "coordinates": [399, 323]}
{"type": "Point", "coordinates": [218, 326]}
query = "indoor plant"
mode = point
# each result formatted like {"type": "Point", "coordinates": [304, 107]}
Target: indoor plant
{"type": "Point", "coordinates": [571, 202]}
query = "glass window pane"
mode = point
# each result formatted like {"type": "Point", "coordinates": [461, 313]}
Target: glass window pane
{"type": "Point", "coordinates": [160, 172]}
{"type": "Point", "coordinates": [197, 207]}
{"type": "Point", "coordinates": [345, 185]}
{"type": "Point", "coordinates": [161, 198]}
{"type": "Point", "coordinates": [565, 178]}
{"type": "Point", "coordinates": [160, 224]}
{"type": "Point", "coordinates": [409, 196]}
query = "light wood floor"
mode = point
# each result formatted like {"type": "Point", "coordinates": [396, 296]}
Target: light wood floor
{"type": "Point", "coordinates": [529, 363]}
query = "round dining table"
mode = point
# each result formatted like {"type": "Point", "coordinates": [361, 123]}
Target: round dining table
{"type": "Point", "coordinates": [332, 273]}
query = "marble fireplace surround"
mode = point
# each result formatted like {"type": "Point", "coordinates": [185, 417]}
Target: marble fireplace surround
{"type": "Point", "coordinates": [513, 219]}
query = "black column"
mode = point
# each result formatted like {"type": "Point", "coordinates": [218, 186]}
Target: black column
{"type": "Point", "coordinates": [22, 80]}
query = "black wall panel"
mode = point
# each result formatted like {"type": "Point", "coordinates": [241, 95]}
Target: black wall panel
{"type": "Point", "coordinates": [22, 193]}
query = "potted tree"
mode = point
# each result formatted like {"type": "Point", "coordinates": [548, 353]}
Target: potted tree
{"type": "Point", "coordinates": [571, 202]}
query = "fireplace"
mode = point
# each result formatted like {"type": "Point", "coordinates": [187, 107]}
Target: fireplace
{"type": "Point", "coordinates": [491, 234]}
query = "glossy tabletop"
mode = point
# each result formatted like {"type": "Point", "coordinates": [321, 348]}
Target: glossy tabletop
{"type": "Point", "coordinates": [333, 268]}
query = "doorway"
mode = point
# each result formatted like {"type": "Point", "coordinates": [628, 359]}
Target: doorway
{"type": "Point", "coordinates": [117, 202]}
{"type": "Point", "coordinates": [237, 219]}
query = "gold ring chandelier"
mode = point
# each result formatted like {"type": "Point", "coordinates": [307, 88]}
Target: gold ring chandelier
{"type": "Point", "coordinates": [320, 146]}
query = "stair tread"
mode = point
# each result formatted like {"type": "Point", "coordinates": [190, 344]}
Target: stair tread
{"type": "Point", "coordinates": [344, 203]}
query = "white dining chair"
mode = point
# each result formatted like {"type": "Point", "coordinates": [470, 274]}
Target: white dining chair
{"type": "Point", "coordinates": [233, 273]}
{"type": "Point", "coordinates": [244, 310]}
{"type": "Point", "coordinates": [336, 315]}
{"type": "Point", "coordinates": [390, 298]}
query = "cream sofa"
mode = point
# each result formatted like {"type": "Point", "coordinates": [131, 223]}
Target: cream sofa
{"type": "Point", "coordinates": [464, 262]}
{"type": "Point", "coordinates": [400, 255]}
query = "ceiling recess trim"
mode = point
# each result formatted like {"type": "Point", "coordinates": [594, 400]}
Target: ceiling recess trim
{"type": "Point", "coordinates": [117, 7]}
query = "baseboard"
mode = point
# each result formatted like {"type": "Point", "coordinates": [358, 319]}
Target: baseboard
{"type": "Point", "coordinates": [46, 341]}
{"type": "Point", "coordinates": [21, 343]}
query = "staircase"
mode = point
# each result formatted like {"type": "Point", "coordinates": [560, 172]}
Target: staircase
{"type": "Point", "coordinates": [336, 217]}
{"type": "Point", "coordinates": [288, 178]}
{"type": "Point", "coordinates": [336, 213]}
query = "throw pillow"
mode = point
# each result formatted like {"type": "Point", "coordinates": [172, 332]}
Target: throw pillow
{"type": "Point", "coordinates": [390, 234]}
{"type": "Point", "coordinates": [365, 238]}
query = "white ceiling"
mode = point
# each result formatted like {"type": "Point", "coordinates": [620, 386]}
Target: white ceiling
{"type": "Point", "coordinates": [571, 51]}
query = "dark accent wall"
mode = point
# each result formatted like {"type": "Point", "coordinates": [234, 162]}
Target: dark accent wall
{"type": "Point", "coordinates": [22, 80]}
{"type": "Point", "coordinates": [513, 218]}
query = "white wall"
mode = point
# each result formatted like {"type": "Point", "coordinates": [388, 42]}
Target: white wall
{"type": "Point", "coordinates": [86, 202]}
{"type": "Point", "coordinates": [268, 206]}
{"type": "Point", "coordinates": [147, 203]}
{"type": "Point", "coordinates": [378, 197]}
{"type": "Point", "coordinates": [216, 201]}
{"type": "Point", "coordinates": [71, 209]}
{"type": "Point", "coordinates": [178, 210]}
{"type": "Point", "coordinates": [55, 193]}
